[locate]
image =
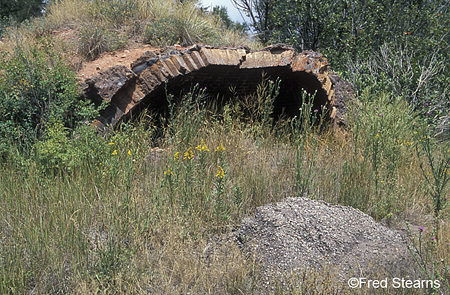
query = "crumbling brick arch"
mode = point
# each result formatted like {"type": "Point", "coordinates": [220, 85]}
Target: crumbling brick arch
{"type": "Point", "coordinates": [217, 69]}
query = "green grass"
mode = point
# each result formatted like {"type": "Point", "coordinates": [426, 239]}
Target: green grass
{"type": "Point", "coordinates": [136, 219]}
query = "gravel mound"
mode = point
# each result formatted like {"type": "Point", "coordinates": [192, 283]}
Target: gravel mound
{"type": "Point", "coordinates": [299, 233]}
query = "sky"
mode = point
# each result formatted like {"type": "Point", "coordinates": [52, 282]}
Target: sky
{"type": "Point", "coordinates": [232, 11]}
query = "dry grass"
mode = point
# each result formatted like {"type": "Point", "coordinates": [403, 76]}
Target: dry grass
{"type": "Point", "coordinates": [122, 227]}
{"type": "Point", "coordinates": [124, 224]}
{"type": "Point", "coordinates": [67, 13]}
{"type": "Point", "coordinates": [106, 25]}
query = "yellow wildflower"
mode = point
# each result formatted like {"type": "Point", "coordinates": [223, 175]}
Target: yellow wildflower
{"type": "Point", "coordinates": [176, 155]}
{"type": "Point", "coordinates": [111, 143]}
{"type": "Point", "coordinates": [129, 152]}
{"type": "Point", "coordinates": [188, 154]}
{"type": "Point", "coordinates": [168, 172]}
{"type": "Point", "coordinates": [220, 172]}
{"type": "Point", "coordinates": [202, 146]}
{"type": "Point", "coordinates": [220, 147]}
{"type": "Point", "coordinates": [114, 153]}
{"type": "Point", "coordinates": [376, 136]}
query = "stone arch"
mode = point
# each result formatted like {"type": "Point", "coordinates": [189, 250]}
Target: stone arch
{"type": "Point", "coordinates": [217, 69]}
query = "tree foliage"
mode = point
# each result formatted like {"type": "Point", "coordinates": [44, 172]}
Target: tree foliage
{"type": "Point", "coordinates": [222, 13]}
{"type": "Point", "coordinates": [20, 10]}
{"type": "Point", "coordinates": [401, 47]}
{"type": "Point", "coordinates": [258, 11]}
{"type": "Point", "coordinates": [353, 27]}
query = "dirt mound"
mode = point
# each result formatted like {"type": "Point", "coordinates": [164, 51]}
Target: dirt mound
{"type": "Point", "coordinates": [299, 233]}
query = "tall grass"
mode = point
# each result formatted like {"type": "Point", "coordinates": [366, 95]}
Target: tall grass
{"type": "Point", "coordinates": [109, 25]}
{"type": "Point", "coordinates": [138, 219]}
{"type": "Point", "coordinates": [126, 214]}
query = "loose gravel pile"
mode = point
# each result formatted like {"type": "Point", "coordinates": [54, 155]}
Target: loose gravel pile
{"type": "Point", "coordinates": [299, 233]}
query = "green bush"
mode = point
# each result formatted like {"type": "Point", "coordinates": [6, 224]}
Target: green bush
{"type": "Point", "coordinates": [56, 150]}
{"type": "Point", "coordinates": [395, 69]}
{"type": "Point", "coordinates": [36, 87]}
{"type": "Point", "coordinates": [66, 150]}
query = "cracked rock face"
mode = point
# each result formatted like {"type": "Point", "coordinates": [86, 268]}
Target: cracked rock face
{"type": "Point", "coordinates": [299, 233]}
{"type": "Point", "coordinates": [107, 83]}
{"type": "Point", "coordinates": [217, 69]}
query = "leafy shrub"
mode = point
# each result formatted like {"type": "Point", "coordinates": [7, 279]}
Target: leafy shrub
{"type": "Point", "coordinates": [4, 23]}
{"type": "Point", "coordinates": [63, 149]}
{"type": "Point", "coordinates": [56, 150]}
{"type": "Point", "coordinates": [36, 87]}
{"type": "Point", "coordinates": [395, 69]}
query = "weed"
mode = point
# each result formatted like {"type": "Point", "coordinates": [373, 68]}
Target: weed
{"type": "Point", "coordinates": [305, 131]}
{"type": "Point", "coordinates": [96, 38]}
{"type": "Point", "coordinates": [435, 169]}
{"type": "Point", "coordinates": [423, 249]}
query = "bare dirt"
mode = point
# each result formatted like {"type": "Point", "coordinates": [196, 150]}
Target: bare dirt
{"type": "Point", "coordinates": [108, 59]}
